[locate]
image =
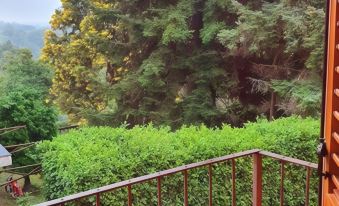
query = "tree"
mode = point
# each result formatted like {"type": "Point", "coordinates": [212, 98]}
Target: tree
{"type": "Point", "coordinates": [5, 47]}
{"type": "Point", "coordinates": [23, 36]}
{"type": "Point", "coordinates": [24, 85]}
{"type": "Point", "coordinates": [282, 42]}
{"type": "Point", "coordinates": [26, 107]}
{"type": "Point", "coordinates": [182, 61]}
{"type": "Point", "coordinates": [20, 71]}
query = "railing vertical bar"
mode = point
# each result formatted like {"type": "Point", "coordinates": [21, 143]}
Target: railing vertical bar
{"type": "Point", "coordinates": [282, 174]}
{"type": "Point", "coordinates": [98, 199]}
{"type": "Point", "coordinates": [185, 188]}
{"type": "Point", "coordinates": [129, 188]}
{"type": "Point", "coordinates": [257, 179]}
{"type": "Point", "coordinates": [233, 184]}
{"type": "Point", "coordinates": [210, 184]}
{"type": "Point", "coordinates": [307, 196]}
{"type": "Point", "coordinates": [150, 197]}
{"type": "Point", "coordinates": [159, 190]}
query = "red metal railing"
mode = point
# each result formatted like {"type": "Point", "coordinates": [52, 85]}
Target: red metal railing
{"type": "Point", "coordinates": [257, 156]}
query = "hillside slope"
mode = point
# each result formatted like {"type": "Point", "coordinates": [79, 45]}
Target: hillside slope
{"type": "Point", "coordinates": [23, 36]}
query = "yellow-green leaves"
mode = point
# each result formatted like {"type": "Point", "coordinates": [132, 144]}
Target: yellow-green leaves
{"type": "Point", "coordinates": [97, 156]}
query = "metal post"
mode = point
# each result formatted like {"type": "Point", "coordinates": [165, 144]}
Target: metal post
{"type": "Point", "coordinates": [282, 174]}
{"type": "Point", "coordinates": [129, 188]}
{"type": "Point", "coordinates": [307, 194]}
{"type": "Point", "coordinates": [98, 199]}
{"type": "Point", "coordinates": [159, 190]}
{"type": "Point", "coordinates": [234, 197]}
{"type": "Point", "coordinates": [257, 179]}
{"type": "Point", "coordinates": [210, 185]}
{"type": "Point", "coordinates": [185, 188]}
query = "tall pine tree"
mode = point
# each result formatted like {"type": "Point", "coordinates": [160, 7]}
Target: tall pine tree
{"type": "Point", "coordinates": [184, 61]}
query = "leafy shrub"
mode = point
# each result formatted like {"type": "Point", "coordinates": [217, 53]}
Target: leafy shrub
{"type": "Point", "coordinates": [24, 85]}
{"type": "Point", "coordinates": [97, 156]}
{"type": "Point", "coordinates": [26, 107]}
{"type": "Point", "coordinates": [24, 200]}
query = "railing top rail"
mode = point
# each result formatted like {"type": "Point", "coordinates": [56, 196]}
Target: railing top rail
{"type": "Point", "coordinates": [147, 178]}
{"type": "Point", "coordinates": [173, 171]}
{"type": "Point", "coordinates": [289, 159]}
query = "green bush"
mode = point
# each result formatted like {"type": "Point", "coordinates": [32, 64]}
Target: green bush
{"type": "Point", "coordinates": [94, 157]}
{"type": "Point", "coordinates": [26, 107]}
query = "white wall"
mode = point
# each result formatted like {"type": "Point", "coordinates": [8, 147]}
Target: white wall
{"type": "Point", "coordinates": [5, 161]}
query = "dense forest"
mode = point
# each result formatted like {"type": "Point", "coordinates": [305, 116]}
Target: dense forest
{"type": "Point", "coordinates": [186, 61]}
{"type": "Point", "coordinates": [23, 36]}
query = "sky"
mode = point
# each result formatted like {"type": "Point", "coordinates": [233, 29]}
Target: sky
{"type": "Point", "coordinates": [37, 12]}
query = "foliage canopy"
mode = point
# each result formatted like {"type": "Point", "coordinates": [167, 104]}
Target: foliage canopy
{"type": "Point", "coordinates": [24, 85]}
{"type": "Point", "coordinates": [109, 155]}
{"type": "Point", "coordinates": [185, 61]}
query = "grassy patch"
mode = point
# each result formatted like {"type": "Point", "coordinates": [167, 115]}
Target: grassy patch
{"type": "Point", "coordinates": [34, 198]}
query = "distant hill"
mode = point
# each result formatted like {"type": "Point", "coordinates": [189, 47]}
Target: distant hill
{"type": "Point", "coordinates": [23, 36]}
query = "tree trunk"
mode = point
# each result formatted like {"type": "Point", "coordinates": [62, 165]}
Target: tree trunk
{"type": "Point", "coordinates": [272, 107]}
{"type": "Point", "coordinates": [27, 184]}
{"type": "Point", "coordinates": [110, 73]}
{"type": "Point", "coordinates": [197, 24]}
{"type": "Point", "coordinates": [213, 95]}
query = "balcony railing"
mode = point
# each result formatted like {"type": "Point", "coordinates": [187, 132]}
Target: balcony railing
{"type": "Point", "coordinates": [257, 180]}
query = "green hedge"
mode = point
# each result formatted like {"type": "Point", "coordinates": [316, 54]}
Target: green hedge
{"type": "Point", "coordinates": [97, 156]}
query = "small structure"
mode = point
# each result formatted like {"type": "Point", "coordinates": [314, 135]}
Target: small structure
{"type": "Point", "coordinates": [5, 157]}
